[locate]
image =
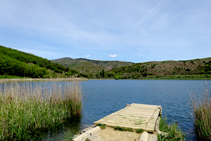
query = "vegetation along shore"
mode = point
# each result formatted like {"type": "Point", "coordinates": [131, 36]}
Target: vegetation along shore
{"type": "Point", "coordinates": [16, 63]}
{"type": "Point", "coordinates": [41, 80]}
{"type": "Point", "coordinates": [30, 108]}
{"type": "Point", "coordinates": [201, 108]}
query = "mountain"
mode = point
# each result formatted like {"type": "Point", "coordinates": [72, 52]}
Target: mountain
{"type": "Point", "coordinates": [90, 67]}
{"type": "Point", "coordinates": [197, 68]}
{"type": "Point", "coordinates": [18, 63]}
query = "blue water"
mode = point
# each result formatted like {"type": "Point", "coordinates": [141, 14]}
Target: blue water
{"type": "Point", "coordinates": [103, 97]}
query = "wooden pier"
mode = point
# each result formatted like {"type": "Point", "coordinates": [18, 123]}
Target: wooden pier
{"type": "Point", "coordinates": [135, 116]}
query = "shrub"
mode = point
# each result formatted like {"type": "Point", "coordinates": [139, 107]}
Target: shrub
{"type": "Point", "coordinates": [154, 65]}
{"type": "Point", "coordinates": [192, 62]}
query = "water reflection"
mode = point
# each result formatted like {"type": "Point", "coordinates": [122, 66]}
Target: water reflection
{"type": "Point", "coordinates": [61, 132]}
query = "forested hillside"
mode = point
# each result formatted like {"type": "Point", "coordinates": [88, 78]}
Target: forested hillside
{"type": "Point", "coordinates": [90, 67]}
{"type": "Point", "coordinates": [18, 63]}
{"type": "Point", "coordinates": [197, 68]}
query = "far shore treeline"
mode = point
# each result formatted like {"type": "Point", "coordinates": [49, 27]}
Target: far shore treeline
{"type": "Point", "coordinates": [17, 63]}
{"type": "Point", "coordinates": [182, 69]}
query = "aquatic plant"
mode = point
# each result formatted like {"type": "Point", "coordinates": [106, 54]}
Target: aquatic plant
{"type": "Point", "coordinates": [170, 132]}
{"type": "Point", "coordinates": [69, 135]}
{"type": "Point", "coordinates": [201, 108]}
{"type": "Point", "coordinates": [27, 108]}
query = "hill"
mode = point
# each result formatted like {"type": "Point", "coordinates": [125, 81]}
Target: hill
{"type": "Point", "coordinates": [197, 68]}
{"type": "Point", "coordinates": [18, 63]}
{"type": "Point", "coordinates": [90, 67]}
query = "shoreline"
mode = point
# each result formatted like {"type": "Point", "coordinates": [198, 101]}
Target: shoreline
{"type": "Point", "coordinates": [158, 79]}
{"type": "Point", "coordinates": [16, 80]}
{"type": "Point", "coordinates": [40, 80]}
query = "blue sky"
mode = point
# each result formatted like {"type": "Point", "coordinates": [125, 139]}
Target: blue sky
{"type": "Point", "coordinates": [124, 30]}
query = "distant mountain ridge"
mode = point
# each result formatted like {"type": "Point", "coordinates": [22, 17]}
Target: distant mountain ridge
{"type": "Point", "coordinates": [18, 63]}
{"type": "Point", "coordinates": [196, 68]}
{"type": "Point", "coordinates": [88, 66]}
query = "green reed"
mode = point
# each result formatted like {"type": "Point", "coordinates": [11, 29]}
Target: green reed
{"type": "Point", "coordinates": [171, 132]}
{"type": "Point", "coordinates": [201, 108]}
{"type": "Point", "coordinates": [26, 109]}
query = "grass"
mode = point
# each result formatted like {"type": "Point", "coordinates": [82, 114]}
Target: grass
{"type": "Point", "coordinates": [128, 129]}
{"type": "Point", "coordinates": [201, 108]}
{"type": "Point", "coordinates": [102, 126]}
{"type": "Point", "coordinates": [172, 132]}
{"type": "Point", "coordinates": [27, 108]}
{"type": "Point", "coordinates": [9, 77]}
{"type": "Point", "coordinates": [123, 128]}
{"type": "Point", "coordinates": [139, 131]}
{"type": "Point", "coordinates": [41, 80]}
{"type": "Point", "coordinates": [180, 77]}
{"type": "Point", "coordinates": [69, 135]}
{"type": "Point", "coordinates": [138, 122]}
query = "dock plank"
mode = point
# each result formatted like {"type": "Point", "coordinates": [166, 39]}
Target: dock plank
{"type": "Point", "coordinates": [135, 116]}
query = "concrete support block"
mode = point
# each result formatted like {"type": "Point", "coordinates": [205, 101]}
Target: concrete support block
{"type": "Point", "coordinates": [87, 134]}
{"type": "Point", "coordinates": [144, 136]}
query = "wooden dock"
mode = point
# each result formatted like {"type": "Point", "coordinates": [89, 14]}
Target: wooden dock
{"type": "Point", "coordinates": [135, 116]}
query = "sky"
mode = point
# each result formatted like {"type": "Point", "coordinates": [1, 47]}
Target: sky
{"type": "Point", "coordinates": [124, 30]}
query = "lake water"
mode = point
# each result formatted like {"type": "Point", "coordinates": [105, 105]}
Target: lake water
{"type": "Point", "coordinates": [103, 97]}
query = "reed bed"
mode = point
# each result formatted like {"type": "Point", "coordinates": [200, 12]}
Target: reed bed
{"type": "Point", "coordinates": [26, 108]}
{"type": "Point", "coordinates": [16, 80]}
{"type": "Point", "coordinates": [201, 108]}
{"type": "Point", "coordinates": [170, 132]}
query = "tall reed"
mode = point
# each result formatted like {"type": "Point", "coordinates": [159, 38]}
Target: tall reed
{"type": "Point", "coordinates": [170, 132]}
{"type": "Point", "coordinates": [201, 108]}
{"type": "Point", "coordinates": [26, 108]}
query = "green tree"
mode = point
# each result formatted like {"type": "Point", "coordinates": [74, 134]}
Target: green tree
{"type": "Point", "coordinates": [103, 73]}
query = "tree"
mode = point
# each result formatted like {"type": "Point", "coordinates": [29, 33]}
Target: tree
{"type": "Point", "coordinates": [103, 73]}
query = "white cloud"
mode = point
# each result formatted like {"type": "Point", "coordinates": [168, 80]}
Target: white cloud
{"type": "Point", "coordinates": [115, 55]}
{"type": "Point", "coordinates": [152, 26]}
{"type": "Point", "coordinates": [87, 56]}
{"type": "Point", "coordinates": [97, 60]}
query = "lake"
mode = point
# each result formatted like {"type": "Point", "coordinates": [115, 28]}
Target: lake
{"type": "Point", "coordinates": [103, 97]}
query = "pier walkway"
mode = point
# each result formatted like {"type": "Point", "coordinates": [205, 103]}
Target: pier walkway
{"type": "Point", "coordinates": [135, 116]}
